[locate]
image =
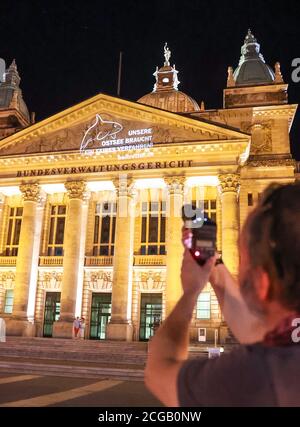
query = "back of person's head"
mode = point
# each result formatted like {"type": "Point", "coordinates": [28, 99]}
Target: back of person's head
{"type": "Point", "coordinates": [272, 233]}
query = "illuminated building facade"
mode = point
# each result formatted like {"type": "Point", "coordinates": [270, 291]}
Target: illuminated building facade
{"type": "Point", "coordinates": [90, 198]}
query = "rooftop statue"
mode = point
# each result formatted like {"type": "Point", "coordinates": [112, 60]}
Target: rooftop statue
{"type": "Point", "coordinates": [167, 54]}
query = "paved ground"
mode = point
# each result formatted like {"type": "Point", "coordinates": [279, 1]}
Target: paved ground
{"type": "Point", "coordinates": [34, 390]}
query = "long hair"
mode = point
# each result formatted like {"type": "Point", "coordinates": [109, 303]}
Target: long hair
{"type": "Point", "coordinates": [273, 241]}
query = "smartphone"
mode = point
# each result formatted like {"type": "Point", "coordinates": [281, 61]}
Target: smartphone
{"type": "Point", "coordinates": [204, 232]}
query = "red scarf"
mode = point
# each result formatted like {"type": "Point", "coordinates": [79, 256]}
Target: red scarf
{"type": "Point", "coordinates": [281, 335]}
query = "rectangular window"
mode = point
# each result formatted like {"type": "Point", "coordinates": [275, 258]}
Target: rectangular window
{"type": "Point", "coordinates": [9, 301]}
{"type": "Point", "coordinates": [13, 232]}
{"type": "Point", "coordinates": [104, 230]}
{"type": "Point", "coordinates": [56, 230]}
{"type": "Point", "coordinates": [203, 306]}
{"type": "Point", "coordinates": [153, 228]}
{"type": "Point", "coordinates": [250, 199]}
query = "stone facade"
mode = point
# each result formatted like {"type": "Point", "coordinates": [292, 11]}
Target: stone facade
{"type": "Point", "coordinates": [117, 152]}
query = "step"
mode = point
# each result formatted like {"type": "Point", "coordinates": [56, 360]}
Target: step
{"type": "Point", "coordinates": [9, 366]}
{"type": "Point", "coordinates": [68, 355]}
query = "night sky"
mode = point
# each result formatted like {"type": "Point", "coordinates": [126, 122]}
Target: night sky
{"type": "Point", "coordinates": [68, 51]}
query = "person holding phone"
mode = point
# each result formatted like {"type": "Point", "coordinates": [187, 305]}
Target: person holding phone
{"type": "Point", "coordinates": [262, 309]}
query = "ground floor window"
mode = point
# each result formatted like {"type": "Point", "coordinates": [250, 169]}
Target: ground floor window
{"type": "Point", "coordinates": [150, 315]}
{"type": "Point", "coordinates": [100, 315]}
{"type": "Point", "coordinates": [9, 301]}
{"type": "Point", "coordinates": [51, 313]}
{"type": "Point", "coordinates": [203, 306]}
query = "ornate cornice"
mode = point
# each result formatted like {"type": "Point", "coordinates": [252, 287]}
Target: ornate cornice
{"type": "Point", "coordinates": [229, 182]}
{"type": "Point", "coordinates": [31, 192]}
{"type": "Point", "coordinates": [280, 110]}
{"type": "Point", "coordinates": [269, 163]}
{"type": "Point", "coordinates": [76, 190]}
{"type": "Point", "coordinates": [74, 158]}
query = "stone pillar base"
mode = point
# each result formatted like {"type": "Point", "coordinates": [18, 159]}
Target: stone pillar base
{"type": "Point", "coordinates": [20, 328]}
{"type": "Point", "coordinates": [119, 332]}
{"type": "Point", "coordinates": [62, 329]}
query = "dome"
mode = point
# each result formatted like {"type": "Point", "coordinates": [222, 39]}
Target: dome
{"type": "Point", "coordinates": [171, 100]}
{"type": "Point", "coordinates": [11, 94]}
{"type": "Point", "coordinates": [165, 94]}
{"type": "Point", "coordinates": [252, 69]}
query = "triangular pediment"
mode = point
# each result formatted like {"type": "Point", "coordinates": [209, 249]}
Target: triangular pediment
{"type": "Point", "coordinates": [103, 122]}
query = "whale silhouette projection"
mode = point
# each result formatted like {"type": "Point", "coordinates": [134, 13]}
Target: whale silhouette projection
{"type": "Point", "coordinates": [106, 128]}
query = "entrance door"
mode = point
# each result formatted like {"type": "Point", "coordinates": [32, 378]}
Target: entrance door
{"type": "Point", "coordinates": [52, 312]}
{"type": "Point", "coordinates": [151, 313]}
{"type": "Point", "coordinates": [100, 315]}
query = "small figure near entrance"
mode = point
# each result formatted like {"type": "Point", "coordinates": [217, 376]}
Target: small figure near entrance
{"type": "Point", "coordinates": [82, 328]}
{"type": "Point", "coordinates": [156, 324]}
{"type": "Point", "coordinates": [76, 327]}
{"type": "Point", "coordinates": [2, 330]}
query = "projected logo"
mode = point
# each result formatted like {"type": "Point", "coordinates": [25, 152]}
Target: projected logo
{"type": "Point", "coordinates": [104, 136]}
{"type": "Point", "coordinates": [99, 131]}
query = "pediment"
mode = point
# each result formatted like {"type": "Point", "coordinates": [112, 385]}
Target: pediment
{"type": "Point", "coordinates": [103, 122]}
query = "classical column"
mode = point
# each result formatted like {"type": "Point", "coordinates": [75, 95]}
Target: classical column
{"type": "Point", "coordinates": [2, 230]}
{"type": "Point", "coordinates": [174, 247]}
{"type": "Point", "coordinates": [120, 325]}
{"type": "Point", "coordinates": [229, 187]}
{"type": "Point", "coordinates": [21, 322]}
{"type": "Point", "coordinates": [73, 262]}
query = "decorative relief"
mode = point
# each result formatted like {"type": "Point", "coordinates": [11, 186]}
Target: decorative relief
{"type": "Point", "coordinates": [261, 132]}
{"type": "Point", "coordinates": [76, 190]}
{"type": "Point", "coordinates": [56, 141]}
{"type": "Point", "coordinates": [50, 280]}
{"type": "Point", "coordinates": [261, 137]}
{"type": "Point", "coordinates": [246, 126]}
{"type": "Point", "coordinates": [268, 163]}
{"type": "Point", "coordinates": [229, 182]}
{"type": "Point", "coordinates": [98, 280]}
{"type": "Point", "coordinates": [31, 192]}
{"type": "Point", "coordinates": [233, 100]}
{"type": "Point", "coordinates": [7, 279]}
{"type": "Point", "coordinates": [150, 281]}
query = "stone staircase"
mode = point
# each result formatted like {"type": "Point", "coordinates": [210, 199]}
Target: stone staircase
{"type": "Point", "coordinates": [76, 350]}
{"type": "Point", "coordinates": [76, 358]}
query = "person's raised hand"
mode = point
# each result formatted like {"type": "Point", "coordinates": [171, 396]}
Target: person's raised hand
{"type": "Point", "coordinates": [193, 276]}
{"type": "Point", "coordinates": [186, 238]}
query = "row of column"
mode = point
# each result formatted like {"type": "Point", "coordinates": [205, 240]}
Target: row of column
{"type": "Point", "coordinates": [120, 326]}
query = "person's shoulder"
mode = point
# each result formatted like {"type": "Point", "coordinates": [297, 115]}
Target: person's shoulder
{"type": "Point", "coordinates": [218, 381]}
{"type": "Point", "coordinates": [241, 353]}
{"type": "Point", "coordinates": [241, 358]}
